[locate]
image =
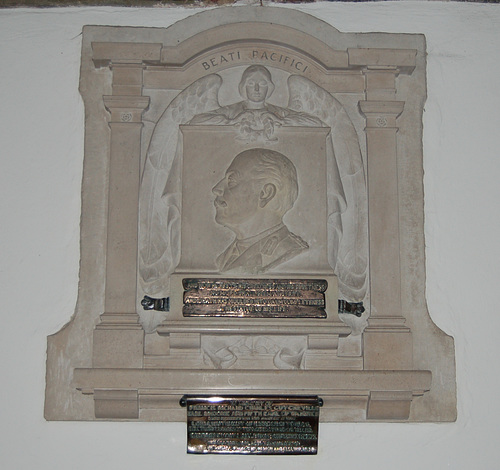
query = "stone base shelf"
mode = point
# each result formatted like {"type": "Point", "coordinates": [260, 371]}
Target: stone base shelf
{"type": "Point", "coordinates": [350, 396]}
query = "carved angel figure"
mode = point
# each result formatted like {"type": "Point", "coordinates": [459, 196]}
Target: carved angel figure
{"type": "Point", "coordinates": [254, 118]}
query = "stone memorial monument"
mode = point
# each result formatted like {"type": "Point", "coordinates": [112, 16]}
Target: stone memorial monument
{"type": "Point", "coordinates": [252, 225]}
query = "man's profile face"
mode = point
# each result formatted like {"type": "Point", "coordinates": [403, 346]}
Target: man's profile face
{"type": "Point", "coordinates": [237, 194]}
{"type": "Point", "coordinates": [256, 87]}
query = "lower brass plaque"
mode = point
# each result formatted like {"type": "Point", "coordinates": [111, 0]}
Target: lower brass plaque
{"type": "Point", "coordinates": [252, 425]}
{"type": "Point", "coordinates": [255, 298]}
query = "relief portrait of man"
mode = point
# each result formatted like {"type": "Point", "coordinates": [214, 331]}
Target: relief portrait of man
{"type": "Point", "coordinates": [259, 188]}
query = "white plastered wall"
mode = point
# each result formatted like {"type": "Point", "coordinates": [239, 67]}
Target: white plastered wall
{"type": "Point", "coordinates": [41, 142]}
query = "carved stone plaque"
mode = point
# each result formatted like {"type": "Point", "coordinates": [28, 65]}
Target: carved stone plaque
{"type": "Point", "coordinates": [244, 425]}
{"type": "Point", "coordinates": [245, 169]}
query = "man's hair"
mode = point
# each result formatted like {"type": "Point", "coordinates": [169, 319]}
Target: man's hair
{"type": "Point", "coordinates": [273, 167]}
{"type": "Point", "coordinates": [253, 69]}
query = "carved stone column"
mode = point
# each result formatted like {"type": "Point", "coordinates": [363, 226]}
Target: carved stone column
{"type": "Point", "coordinates": [119, 329]}
{"type": "Point", "coordinates": [387, 342]}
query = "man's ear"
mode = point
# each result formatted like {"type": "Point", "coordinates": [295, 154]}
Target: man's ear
{"type": "Point", "coordinates": [266, 194]}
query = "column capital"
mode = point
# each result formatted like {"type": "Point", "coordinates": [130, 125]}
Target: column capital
{"type": "Point", "coordinates": [126, 108]}
{"type": "Point", "coordinates": [381, 114]}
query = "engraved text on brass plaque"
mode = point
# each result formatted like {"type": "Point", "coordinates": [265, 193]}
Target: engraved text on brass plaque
{"type": "Point", "coordinates": [255, 298]}
{"type": "Point", "coordinates": [251, 425]}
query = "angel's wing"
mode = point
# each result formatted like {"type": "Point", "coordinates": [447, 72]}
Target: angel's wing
{"type": "Point", "coordinates": [347, 203]}
{"type": "Point", "coordinates": [160, 194]}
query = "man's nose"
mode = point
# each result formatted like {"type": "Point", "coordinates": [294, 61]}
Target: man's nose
{"type": "Point", "coordinates": [218, 189]}
{"type": "Point", "coordinates": [256, 88]}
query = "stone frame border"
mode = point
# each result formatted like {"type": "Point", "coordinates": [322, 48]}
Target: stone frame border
{"type": "Point", "coordinates": [98, 373]}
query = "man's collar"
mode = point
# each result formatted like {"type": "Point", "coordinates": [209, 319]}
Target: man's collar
{"type": "Point", "coordinates": [246, 242]}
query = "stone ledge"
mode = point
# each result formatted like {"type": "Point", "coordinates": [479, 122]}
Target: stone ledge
{"type": "Point", "coordinates": [350, 396]}
{"type": "Point", "coordinates": [236, 381]}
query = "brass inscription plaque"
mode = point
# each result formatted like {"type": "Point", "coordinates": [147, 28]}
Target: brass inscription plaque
{"type": "Point", "coordinates": [255, 298]}
{"type": "Point", "coordinates": [250, 425]}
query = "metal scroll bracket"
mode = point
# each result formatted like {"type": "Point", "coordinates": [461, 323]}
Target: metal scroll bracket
{"type": "Point", "coordinates": [354, 308]}
{"type": "Point", "coordinates": [162, 305]}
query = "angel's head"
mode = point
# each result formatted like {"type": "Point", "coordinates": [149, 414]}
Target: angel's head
{"type": "Point", "coordinates": [256, 84]}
